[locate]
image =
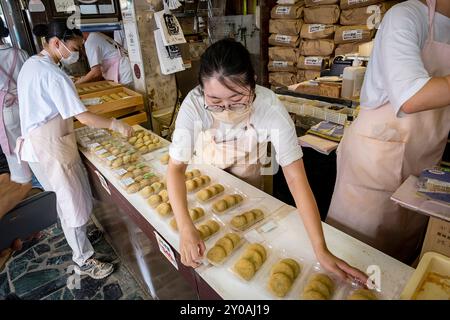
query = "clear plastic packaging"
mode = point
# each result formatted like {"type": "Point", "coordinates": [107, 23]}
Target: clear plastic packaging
{"type": "Point", "coordinates": [294, 272]}
{"type": "Point", "coordinates": [219, 190]}
{"type": "Point", "coordinates": [224, 247]}
{"type": "Point", "coordinates": [209, 228]}
{"type": "Point", "coordinates": [250, 261]}
{"type": "Point", "coordinates": [320, 285]}
{"type": "Point", "coordinates": [246, 217]}
{"type": "Point", "coordinates": [228, 202]}
{"type": "Point", "coordinates": [198, 183]}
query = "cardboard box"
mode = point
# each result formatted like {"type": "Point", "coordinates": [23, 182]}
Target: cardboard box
{"type": "Point", "coordinates": [287, 11]}
{"type": "Point", "coordinates": [284, 40]}
{"type": "Point", "coordinates": [346, 4]}
{"type": "Point", "coordinates": [328, 14]}
{"type": "Point", "coordinates": [364, 15]}
{"type": "Point", "coordinates": [311, 3]}
{"type": "Point", "coordinates": [348, 34]}
{"type": "Point", "coordinates": [320, 47]}
{"type": "Point", "coordinates": [332, 90]}
{"type": "Point", "coordinates": [317, 31]}
{"type": "Point", "coordinates": [287, 27]}
{"type": "Point", "coordinates": [283, 54]}
{"type": "Point", "coordinates": [281, 66]}
{"type": "Point", "coordinates": [437, 238]}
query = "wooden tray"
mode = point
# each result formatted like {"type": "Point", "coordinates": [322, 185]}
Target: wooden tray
{"type": "Point", "coordinates": [90, 87]}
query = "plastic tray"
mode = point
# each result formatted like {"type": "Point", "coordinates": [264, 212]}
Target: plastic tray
{"type": "Point", "coordinates": [232, 253]}
{"type": "Point", "coordinates": [421, 288]}
{"type": "Point", "coordinates": [339, 286]}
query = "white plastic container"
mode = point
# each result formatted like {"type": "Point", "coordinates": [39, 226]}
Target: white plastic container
{"type": "Point", "coordinates": [352, 80]}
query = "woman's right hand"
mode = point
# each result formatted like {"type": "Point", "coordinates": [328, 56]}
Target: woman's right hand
{"type": "Point", "coordinates": [192, 247]}
{"type": "Point", "coordinates": [121, 127]}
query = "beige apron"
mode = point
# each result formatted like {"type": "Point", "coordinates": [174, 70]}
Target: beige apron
{"type": "Point", "coordinates": [240, 156]}
{"type": "Point", "coordinates": [55, 146]}
{"type": "Point", "coordinates": [377, 154]}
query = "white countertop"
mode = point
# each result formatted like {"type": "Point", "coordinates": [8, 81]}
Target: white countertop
{"type": "Point", "coordinates": [289, 236]}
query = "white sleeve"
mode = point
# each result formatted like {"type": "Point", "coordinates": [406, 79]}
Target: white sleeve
{"type": "Point", "coordinates": [65, 97]}
{"type": "Point", "coordinates": [282, 134]}
{"type": "Point", "coordinates": [403, 73]}
{"type": "Point", "coordinates": [93, 52]}
{"type": "Point", "coordinates": [187, 128]}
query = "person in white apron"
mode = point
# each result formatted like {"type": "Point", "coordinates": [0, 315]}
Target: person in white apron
{"type": "Point", "coordinates": [48, 102]}
{"type": "Point", "coordinates": [107, 59]}
{"type": "Point", "coordinates": [12, 60]}
{"type": "Point", "coordinates": [227, 122]}
{"type": "Point", "coordinates": [402, 128]}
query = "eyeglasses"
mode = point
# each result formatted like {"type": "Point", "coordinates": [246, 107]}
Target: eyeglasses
{"type": "Point", "coordinates": [235, 107]}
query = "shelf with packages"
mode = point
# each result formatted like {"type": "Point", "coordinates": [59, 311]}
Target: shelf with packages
{"type": "Point", "coordinates": [113, 102]}
{"type": "Point", "coordinates": [281, 231]}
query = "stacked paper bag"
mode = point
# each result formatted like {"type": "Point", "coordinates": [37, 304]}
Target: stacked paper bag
{"type": "Point", "coordinates": [317, 45]}
{"type": "Point", "coordinates": [284, 26]}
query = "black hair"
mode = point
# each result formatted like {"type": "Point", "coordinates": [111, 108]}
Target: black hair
{"type": "Point", "coordinates": [56, 29]}
{"type": "Point", "coordinates": [4, 32]}
{"type": "Point", "coordinates": [228, 61]}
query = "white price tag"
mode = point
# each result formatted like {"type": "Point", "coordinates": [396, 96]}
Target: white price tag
{"type": "Point", "coordinates": [316, 28]}
{"type": "Point", "coordinates": [120, 172]}
{"type": "Point", "coordinates": [350, 2]}
{"type": "Point", "coordinates": [94, 145]}
{"type": "Point", "coordinates": [111, 158]}
{"type": "Point", "coordinates": [283, 38]}
{"type": "Point", "coordinates": [101, 151]}
{"type": "Point", "coordinates": [352, 35]}
{"type": "Point", "coordinates": [128, 181]}
{"type": "Point", "coordinates": [280, 64]}
{"type": "Point", "coordinates": [269, 226]}
{"type": "Point", "coordinates": [166, 250]}
{"type": "Point", "coordinates": [313, 61]}
{"type": "Point", "coordinates": [253, 236]}
{"type": "Point", "coordinates": [283, 10]}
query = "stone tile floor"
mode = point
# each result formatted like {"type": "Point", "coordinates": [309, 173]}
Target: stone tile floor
{"type": "Point", "coordinates": [39, 271]}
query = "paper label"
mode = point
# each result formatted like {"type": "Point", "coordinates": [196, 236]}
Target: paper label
{"type": "Point", "coordinates": [120, 172]}
{"type": "Point", "coordinates": [283, 10]}
{"type": "Point", "coordinates": [166, 250]}
{"type": "Point", "coordinates": [316, 28]}
{"type": "Point", "coordinates": [101, 151]}
{"type": "Point", "coordinates": [283, 38]}
{"type": "Point", "coordinates": [350, 2]}
{"type": "Point", "coordinates": [94, 145]}
{"type": "Point", "coordinates": [111, 158]}
{"type": "Point", "coordinates": [352, 35]}
{"type": "Point", "coordinates": [103, 182]}
{"type": "Point", "coordinates": [269, 226]}
{"type": "Point", "coordinates": [280, 64]}
{"type": "Point", "coordinates": [128, 181]}
{"type": "Point", "coordinates": [313, 61]}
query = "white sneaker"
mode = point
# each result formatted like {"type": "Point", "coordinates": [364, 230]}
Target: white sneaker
{"type": "Point", "coordinates": [95, 269]}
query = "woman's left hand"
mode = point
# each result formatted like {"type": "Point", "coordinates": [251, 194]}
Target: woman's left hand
{"type": "Point", "coordinates": [340, 268]}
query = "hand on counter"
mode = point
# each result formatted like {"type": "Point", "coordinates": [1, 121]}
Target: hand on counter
{"type": "Point", "coordinates": [340, 268]}
{"type": "Point", "coordinates": [192, 247]}
{"type": "Point", "coordinates": [121, 127]}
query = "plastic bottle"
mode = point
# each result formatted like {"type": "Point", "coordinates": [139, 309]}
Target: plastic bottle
{"type": "Point", "coordinates": [352, 80]}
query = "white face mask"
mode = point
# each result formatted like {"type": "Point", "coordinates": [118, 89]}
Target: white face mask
{"type": "Point", "coordinates": [71, 59]}
{"type": "Point", "coordinates": [232, 117]}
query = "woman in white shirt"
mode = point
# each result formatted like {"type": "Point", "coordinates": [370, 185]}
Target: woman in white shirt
{"type": "Point", "coordinates": [12, 60]}
{"type": "Point", "coordinates": [48, 102]}
{"type": "Point", "coordinates": [107, 60]}
{"type": "Point", "coordinates": [402, 128]}
{"type": "Point", "coordinates": [227, 122]}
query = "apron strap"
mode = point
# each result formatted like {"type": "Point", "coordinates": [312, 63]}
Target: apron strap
{"type": "Point", "coordinates": [431, 14]}
{"type": "Point", "coordinates": [10, 74]}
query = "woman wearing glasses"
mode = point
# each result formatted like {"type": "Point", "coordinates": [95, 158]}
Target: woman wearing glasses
{"type": "Point", "coordinates": [227, 121]}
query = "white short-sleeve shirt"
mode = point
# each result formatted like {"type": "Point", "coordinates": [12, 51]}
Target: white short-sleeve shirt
{"type": "Point", "coordinates": [269, 117]}
{"type": "Point", "coordinates": [7, 57]}
{"type": "Point", "coordinates": [100, 47]}
{"type": "Point", "coordinates": [44, 92]}
{"type": "Point", "coordinates": [396, 72]}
